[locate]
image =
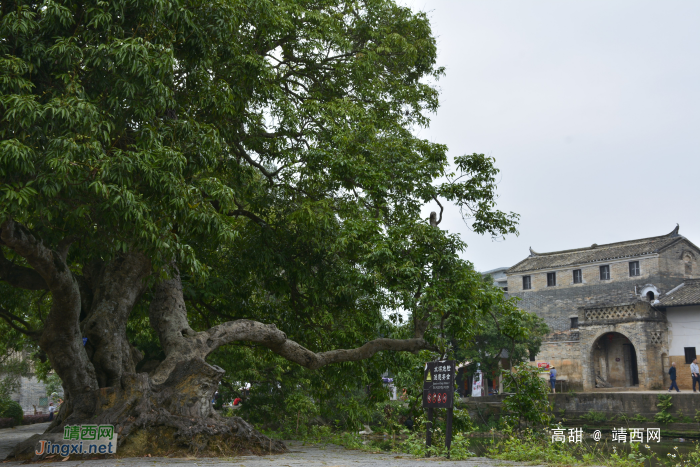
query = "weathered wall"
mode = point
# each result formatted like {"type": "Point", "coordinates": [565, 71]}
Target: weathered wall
{"type": "Point", "coordinates": [619, 272]}
{"type": "Point", "coordinates": [614, 403]}
{"type": "Point", "coordinates": [29, 395]}
{"type": "Point", "coordinates": [557, 305]}
{"type": "Point", "coordinates": [681, 260]}
{"type": "Point", "coordinates": [629, 403]}
{"type": "Point", "coordinates": [683, 378]}
{"type": "Point", "coordinates": [640, 324]}
{"type": "Point", "coordinates": [565, 354]}
{"type": "Point", "coordinates": [683, 329]}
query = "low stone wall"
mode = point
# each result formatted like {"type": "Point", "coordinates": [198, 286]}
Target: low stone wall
{"type": "Point", "coordinates": [573, 407]}
{"type": "Point", "coordinates": [629, 403]}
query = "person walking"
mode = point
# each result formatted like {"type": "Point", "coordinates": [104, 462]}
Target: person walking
{"type": "Point", "coordinates": [672, 374]}
{"type": "Point", "coordinates": [695, 373]}
{"type": "Point", "coordinates": [553, 379]}
{"type": "Point", "coordinates": [52, 409]}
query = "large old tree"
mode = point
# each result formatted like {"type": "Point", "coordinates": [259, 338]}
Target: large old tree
{"type": "Point", "coordinates": [170, 156]}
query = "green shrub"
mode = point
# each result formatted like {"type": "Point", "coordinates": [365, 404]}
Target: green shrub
{"type": "Point", "coordinates": [665, 404]}
{"type": "Point", "coordinates": [595, 417]}
{"type": "Point", "coordinates": [415, 445]}
{"type": "Point", "coordinates": [664, 417]}
{"type": "Point", "coordinates": [11, 409]}
{"type": "Point", "coordinates": [529, 398]}
{"type": "Point", "coordinates": [690, 459]}
{"type": "Point", "coordinates": [536, 446]}
{"type": "Point", "coordinates": [639, 418]}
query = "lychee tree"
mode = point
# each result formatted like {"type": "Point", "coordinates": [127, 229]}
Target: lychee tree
{"type": "Point", "coordinates": [241, 172]}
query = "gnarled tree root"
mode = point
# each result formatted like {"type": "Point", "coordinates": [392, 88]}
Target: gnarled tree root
{"type": "Point", "coordinates": [173, 418]}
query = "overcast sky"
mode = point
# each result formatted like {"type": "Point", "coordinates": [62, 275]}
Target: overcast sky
{"type": "Point", "coordinates": [591, 109]}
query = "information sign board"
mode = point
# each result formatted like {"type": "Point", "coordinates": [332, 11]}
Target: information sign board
{"type": "Point", "coordinates": [438, 384]}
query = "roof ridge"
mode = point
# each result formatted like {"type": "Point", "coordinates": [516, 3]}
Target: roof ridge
{"type": "Point", "coordinates": [595, 246]}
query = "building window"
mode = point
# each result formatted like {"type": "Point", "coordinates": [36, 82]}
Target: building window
{"type": "Point", "coordinates": [634, 268]}
{"type": "Point", "coordinates": [532, 356]}
{"type": "Point", "coordinates": [574, 323]}
{"type": "Point", "coordinates": [578, 277]}
{"type": "Point", "coordinates": [527, 284]}
{"type": "Point", "coordinates": [605, 273]}
{"type": "Point", "coordinates": [551, 279]}
{"type": "Point", "coordinates": [690, 354]}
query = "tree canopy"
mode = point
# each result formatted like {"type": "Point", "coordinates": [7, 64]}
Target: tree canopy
{"type": "Point", "coordinates": [262, 154]}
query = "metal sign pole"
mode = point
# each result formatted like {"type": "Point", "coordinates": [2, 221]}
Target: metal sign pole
{"type": "Point", "coordinates": [448, 437]}
{"type": "Point", "coordinates": [428, 430]}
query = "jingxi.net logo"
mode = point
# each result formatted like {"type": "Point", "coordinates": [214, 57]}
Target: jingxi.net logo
{"type": "Point", "coordinates": [82, 439]}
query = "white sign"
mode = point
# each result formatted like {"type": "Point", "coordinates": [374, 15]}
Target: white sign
{"type": "Point", "coordinates": [477, 385]}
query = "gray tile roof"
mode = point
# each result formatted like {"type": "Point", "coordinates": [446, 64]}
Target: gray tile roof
{"type": "Point", "coordinates": [688, 293]}
{"type": "Point", "coordinates": [594, 253]}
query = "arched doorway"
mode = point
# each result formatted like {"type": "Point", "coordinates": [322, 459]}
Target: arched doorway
{"type": "Point", "coordinates": [615, 361]}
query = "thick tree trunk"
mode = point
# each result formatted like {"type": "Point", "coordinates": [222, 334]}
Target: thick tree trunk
{"type": "Point", "coordinates": [168, 409]}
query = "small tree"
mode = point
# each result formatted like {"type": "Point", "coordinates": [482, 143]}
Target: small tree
{"type": "Point", "coordinates": [506, 329]}
{"type": "Point", "coordinates": [529, 402]}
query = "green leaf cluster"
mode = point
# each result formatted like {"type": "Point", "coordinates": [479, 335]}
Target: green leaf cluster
{"type": "Point", "coordinates": [268, 148]}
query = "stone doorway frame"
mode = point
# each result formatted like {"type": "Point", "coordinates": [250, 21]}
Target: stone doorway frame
{"type": "Point", "coordinates": [588, 348]}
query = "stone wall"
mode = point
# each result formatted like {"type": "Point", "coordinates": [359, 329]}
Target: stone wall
{"type": "Point", "coordinates": [564, 353]}
{"type": "Point", "coordinates": [613, 403]}
{"type": "Point", "coordinates": [557, 305]}
{"type": "Point", "coordinates": [640, 325]}
{"type": "Point", "coordinates": [683, 378]}
{"type": "Point", "coordinates": [629, 403]}
{"type": "Point", "coordinates": [30, 394]}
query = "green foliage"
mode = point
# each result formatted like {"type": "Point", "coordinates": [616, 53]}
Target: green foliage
{"type": "Point", "coordinates": [690, 459]}
{"type": "Point", "coordinates": [665, 404]}
{"type": "Point", "coordinates": [459, 449]}
{"type": "Point", "coordinates": [664, 417]}
{"type": "Point", "coordinates": [595, 417]}
{"type": "Point", "coordinates": [529, 401]}
{"type": "Point", "coordinates": [697, 416]}
{"type": "Point", "coordinates": [265, 146]}
{"type": "Point", "coordinates": [639, 418]}
{"type": "Point", "coordinates": [268, 148]}
{"type": "Point", "coordinates": [681, 417]}
{"type": "Point", "coordinates": [12, 368]}
{"type": "Point", "coordinates": [536, 446]}
{"type": "Point", "coordinates": [11, 409]}
{"type": "Point", "coordinates": [505, 329]}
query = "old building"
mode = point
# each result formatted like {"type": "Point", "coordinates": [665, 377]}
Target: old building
{"type": "Point", "coordinates": [618, 313]}
{"type": "Point", "coordinates": [499, 277]}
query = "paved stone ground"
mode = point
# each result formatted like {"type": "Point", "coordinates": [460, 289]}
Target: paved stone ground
{"type": "Point", "coordinates": [9, 437]}
{"type": "Point", "coordinates": [300, 456]}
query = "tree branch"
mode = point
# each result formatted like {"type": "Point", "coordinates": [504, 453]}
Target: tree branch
{"type": "Point", "coordinates": [269, 175]}
{"type": "Point", "coordinates": [64, 246]}
{"type": "Point", "coordinates": [61, 338]}
{"type": "Point", "coordinates": [11, 318]}
{"type": "Point", "coordinates": [249, 215]}
{"type": "Point", "coordinates": [19, 276]}
{"type": "Point", "coordinates": [441, 210]}
{"type": "Point", "coordinates": [274, 339]}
